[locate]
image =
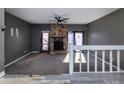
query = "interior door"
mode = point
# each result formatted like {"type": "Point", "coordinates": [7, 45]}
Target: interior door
{"type": "Point", "coordinates": [45, 41]}
{"type": "Point", "coordinates": [1, 40]}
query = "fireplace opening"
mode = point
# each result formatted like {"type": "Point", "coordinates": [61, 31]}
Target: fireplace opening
{"type": "Point", "coordinates": [58, 45]}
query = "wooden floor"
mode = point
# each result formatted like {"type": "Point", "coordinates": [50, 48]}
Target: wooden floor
{"type": "Point", "coordinates": [46, 64]}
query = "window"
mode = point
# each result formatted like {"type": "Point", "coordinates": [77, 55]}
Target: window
{"type": "Point", "coordinates": [78, 38]}
{"type": "Point", "coordinates": [45, 41]}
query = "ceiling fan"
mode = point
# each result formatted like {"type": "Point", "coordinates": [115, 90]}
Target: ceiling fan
{"type": "Point", "coordinates": [60, 19]}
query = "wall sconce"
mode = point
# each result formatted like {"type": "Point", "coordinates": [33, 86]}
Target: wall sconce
{"type": "Point", "coordinates": [17, 32]}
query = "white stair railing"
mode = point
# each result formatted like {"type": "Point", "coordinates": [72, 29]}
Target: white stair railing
{"type": "Point", "coordinates": [103, 61]}
{"type": "Point", "coordinates": [88, 60]}
{"type": "Point", "coordinates": [96, 48]}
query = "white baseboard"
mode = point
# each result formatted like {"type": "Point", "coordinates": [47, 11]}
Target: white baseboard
{"type": "Point", "coordinates": [21, 58]}
{"type": "Point", "coordinates": [35, 52]}
{"type": "Point", "coordinates": [2, 74]}
{"type": "Point", "coordinates": [17, 59]}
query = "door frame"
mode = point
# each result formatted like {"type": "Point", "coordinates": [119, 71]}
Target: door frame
{"type": "Point", "coordinates": [83, 35]}
{"type": "Point", "coordinates": [41, 38]}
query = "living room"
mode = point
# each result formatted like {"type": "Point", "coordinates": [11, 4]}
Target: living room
{"type": "Point", "coordinates": [44, 35]}
{"type": "Point", "coordinates": [38, 40]}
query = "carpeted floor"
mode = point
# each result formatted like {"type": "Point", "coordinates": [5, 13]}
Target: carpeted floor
{"type": "Point", "coordinates": [46, 64]}
{"type": "Point", "coordinates": [39, 64]}
{"type": "Point", "coordinates": [84, 78]}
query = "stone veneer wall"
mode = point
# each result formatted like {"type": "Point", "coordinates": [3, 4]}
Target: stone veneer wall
{"type": "Point", "coordinates": [58, 30]}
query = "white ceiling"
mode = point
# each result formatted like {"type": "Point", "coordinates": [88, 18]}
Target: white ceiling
{"type": "Point", "coordinates": [75, 15]}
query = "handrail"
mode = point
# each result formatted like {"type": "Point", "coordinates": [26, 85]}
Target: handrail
{"type": "Point", "coordinates": [96, 48]}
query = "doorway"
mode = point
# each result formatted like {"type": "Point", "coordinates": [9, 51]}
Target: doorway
{"type": "Point", "coordinates": [76, 38]}
{"type": "Point", "coordinates": [45, 41]}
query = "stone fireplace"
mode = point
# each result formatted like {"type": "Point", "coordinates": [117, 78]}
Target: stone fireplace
{"type": "Point", "coordinates": [58, 39]}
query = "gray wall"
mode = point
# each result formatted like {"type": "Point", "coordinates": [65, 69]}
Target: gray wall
{"type": "Point", "coordinates": [36, 35]}
{"type": "Point", "coordinates": [76, 27]}
{"type": "Point", "coordinates": [37, 28]}
{"type": "Point", "coordinates": [15, 46]}
{"type": "Point", "coordinates": [108, 30]}
{"type": "Point", "coordinates": [1, 40]}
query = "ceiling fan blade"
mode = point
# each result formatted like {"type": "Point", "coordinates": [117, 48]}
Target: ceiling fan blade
{"type": "Point", "coordinates": [56, 18]}
{"type": "Point", "coordinates": [56, 15]}
{"type": "Point", "coordinates": [66, 19]}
